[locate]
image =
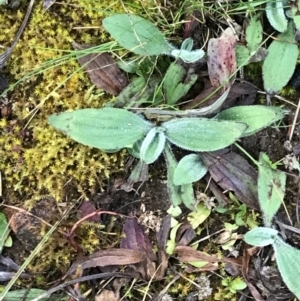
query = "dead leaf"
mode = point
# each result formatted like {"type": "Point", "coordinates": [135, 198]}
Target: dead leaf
{"type": "Point", "coordinates": [106, 295]}
{"type": "Point", "coordinates": [248, 252]}
{"type": "Point", "coordinates": [135, 238]}
{"type": "Point", "coordinates": [185, 234]}
{"type": "Point", "coordinates": [221, 59]}
{"type": "Point", "coordinates": [107, 258]}
{"type": "Point", "coordinates": [87, 208]}
{"type": "Point", "coordinates": [221, 198]}
{"type": "Point", "coordinates": [188, 254]}
{"type": "Point", "coordinates": [103, 70]}
{"type": "Point", "coordinates": [138, 174]}
{"type": "Point", "coordinates": [232, 172]}
{"type": "Point", "coordinates": [163, 233]}
{"type": "Point", "coordinates": [28, 225]}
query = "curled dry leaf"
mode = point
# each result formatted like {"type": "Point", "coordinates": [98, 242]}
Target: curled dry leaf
{"type": "Point", "coordinates": [188, 254]}
{"type": "Point", "coordinates": [232, 172]}
{"type": "Point", "coordinates": [221, 59]}
{"type": "Point", "coordinates": [103, 70]}
{"type": "Point", "coordinates": [107, 258]}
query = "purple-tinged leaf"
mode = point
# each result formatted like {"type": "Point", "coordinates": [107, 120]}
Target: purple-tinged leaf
{"type": "Point", "coordinates": [136, 239]}
{"type": "Point", "coordinates": [232, 172]}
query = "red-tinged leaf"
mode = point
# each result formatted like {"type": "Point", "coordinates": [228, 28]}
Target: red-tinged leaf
{"type": "Point", "coordinates": [135, 238]}
{"type": "Point", "coordinates": [190, 25]}
{"type": "Point", "coordinates": [221, 58]}
{"type": "Point", "coordinates": [87, 208]}
{"type": "Point", "coordinates": [103, 71]}
{"type": "Point", "coordinates": [232, 172]}
{"type": "Point", "coordinates": [107, 258]}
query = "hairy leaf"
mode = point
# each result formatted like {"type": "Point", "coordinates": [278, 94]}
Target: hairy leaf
{"type": "Point", "coordinates": [136, 34]}
{"type": "Point", "coordinates": [256, 117]}
{"type": "Point", "coordinates": [200, 134]}
{"type": "Point", "coordinates": [242, 55]}
{"type": "Point", "coordinates": [276, 16]}
{"type": "Point", "coordinates": [105, 129]}
{"type": "Point", "coordinates": [188, 56]}
{"type": "Point", "coordinates": [189, 169]}
{"type": "Point", "coordinates": [153, 145]}
{"type": "Point", "coordinates": [280, 62]}
{"type": "Point", "coordinates": [174, 190]}
{"type": "Point", "coordinates": [288, 261]}
{"type": "Point", "coordinates": [261, 236]}
{"type": "Point", "coordinates": [186, 192]}
{"type": "Point", "coordinates": [271, 189]}
{"type": "Point", "coordinates": [254, 34]}
{"type": "Point", "coordinates": [176, 83]}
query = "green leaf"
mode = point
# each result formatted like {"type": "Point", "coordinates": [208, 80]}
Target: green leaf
{"type": "Point", "coordinates": [260, 236]}
{"type": "Point", "coordinates": [107, 128]}
{"type": "Point", "coordinates": [153, 145]}
{"type": "Point", "coordinates": [187, 195]}
{"type": "Point", "coordinates": [174, 191]}
{"type": "Point", "coordinates": [5, 239]}
{"type": "Point", "coordinates": [276, 16]}
{"type": "Point", "coordinates": [135, 150]}
{"type": "Point", "coordinates": [28, 295]}
{"type": "Point", "coordinates": [288, 261]}
{"type": "Point", "coordinates": [189, 169]}
{"type": "Point", "coordinates": [188, 56]}
{"type": "Point", "coordinates": [136, 34]}
{"type": "Point", "coordinates": [201, 134]}
{"type": "Point", "coordinates": [199, 216]}
{"type": "Point", "coordinates": [254, 34]}
{"type": "Point", "coordinates": [242, 55]}
{"type": "Point", "coordinates": [256, 117]}
{"type": "Point", "coordinates": [176, 83]}
{"type": "Point", "coordinates": [271, 189]}
{"type": "Point", "coordinates": [280, 62]}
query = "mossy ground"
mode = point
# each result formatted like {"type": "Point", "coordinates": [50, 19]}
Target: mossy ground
{"type": "Point", "coordinates": [35, 158]}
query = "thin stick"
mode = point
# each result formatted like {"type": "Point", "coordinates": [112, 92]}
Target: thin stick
{"type": "Point", "coordinates": [294, 121]}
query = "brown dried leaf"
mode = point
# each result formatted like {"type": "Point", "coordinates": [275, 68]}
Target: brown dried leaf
{"type": "Point", "coordinates": [103, 70]}
{"type": "Point", "coordinates": [188, 254]}
{"type": "Point", "coordinates": [163, 233]}
{"type": "Point", "coordinates": [135, 238]}
{"type": "Point", "coordinates": [185, 234]}
{"type": "Point", "coordinates": [221, 58]}
{"type": "Point", "coordinates": [232, 172]}
{"type": "Point", "coordinates": [107, 258]}
{"type": "Point", "coordinates": [106, 295]}
{"type": "Point", "coordinates": [248, 252]}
